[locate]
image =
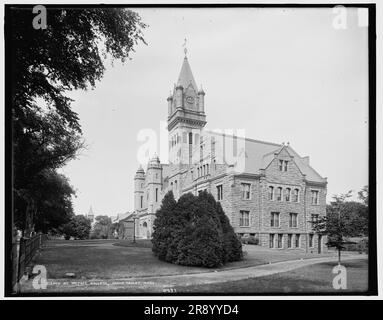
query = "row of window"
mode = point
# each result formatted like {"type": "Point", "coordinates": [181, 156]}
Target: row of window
{"type": "Point", "coordinates": [203, 170]}
{"type": "Point", "coordinates": [288, 195]}
{"type": "Point", "coordinates": [244, 219]}
{"type": "Point", "coordinates": [275, 220]}
{"type": "Point", "coordinates": [293, 240]}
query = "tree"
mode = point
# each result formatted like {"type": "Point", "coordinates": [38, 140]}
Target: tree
{"type": "Point", "coordinates": [363, 195]}
{"type": "Point", "coordinates": [194, 231]}
{"type": "Point", "coordinates": [46, 64]}
{"type": "Point", "coordinates": [344, 219]}
{"type": "Point", "coordinates": [101, 228]}
{"type": "Point", "coordinates": [78, 227]}
{"type": "Point", "coordinates": [164, 226]}
{"type": "Point", "coordinates": [232, 245]}
{"type": "Point", "coordinates": [54, 203]}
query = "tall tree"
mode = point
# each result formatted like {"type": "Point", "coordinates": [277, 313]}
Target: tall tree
{"type": "Point", "coordinates": [78, 227]}
{"type": "Point", "coordinates": [101, 227]}
{"type": "Point", "coordinates": [47, 63]}
{"type": "Point", "coordinates": [344, 219]}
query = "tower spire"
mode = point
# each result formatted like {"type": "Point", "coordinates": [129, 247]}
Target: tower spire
{"type": "Point", "coordinates": [186, 76]}
{"type": "Point", "coordinates": [185, 48]}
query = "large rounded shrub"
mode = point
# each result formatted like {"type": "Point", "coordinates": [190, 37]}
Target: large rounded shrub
{"type": "Point", "coordinates": [195, 232]}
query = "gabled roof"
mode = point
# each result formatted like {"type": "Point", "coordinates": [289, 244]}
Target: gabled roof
{"type": "Point", "coordinates": [122, 216]}
{"type": "Point", "coordinates": [186, 76]}
{"type": "Point", "coordinates": [310, 173]}
{"type": "Point", "coordinates": [259, 154]}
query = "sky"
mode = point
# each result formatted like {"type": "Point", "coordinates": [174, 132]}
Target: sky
{"type": "Point", "coordinates": [283, 75]}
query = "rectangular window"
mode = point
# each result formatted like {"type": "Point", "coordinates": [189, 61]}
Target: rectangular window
{"type": "Point", "coordinates": [244, 218]}
{"type": "Point", "coordinates": [289, 240]}
{"type": "Point", "coordinates": [287, 194]}
{"type": "Point", "coordinates": [156, 194]}
{"type": "Point", "coordinates": [295, 195]}
{"type": "Point", "coordinates": [245, 190]}
{"type": "Point", "coordinates": [274, 221]}
{"type": "Point", "coordinates": [271, 193]}
{"type": "Point", "coordinates": [293, 222]}
{"type": "Point", "coordinates": [311, 240]}
{"type": "Point", "coordinates": [142, 200]}
{"type": "Point", "coordinates": [314, 196]}
{"type": "Point", "coordinates": [280, 165]}
{"type": "Point", "coordinates": [279, 194]}
{"type": "Point", "coordinates": [271, 240]}
{"type": "Point", "coordinates": [297, 240]}
{"type": "Point", "coordinates": [280, 238]}
{"type": "Point", "coordinates": [219, 192]}
{"type": "Point", "coordinates": [285, 165]}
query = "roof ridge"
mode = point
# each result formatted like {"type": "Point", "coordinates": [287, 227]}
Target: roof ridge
{"type": "Point", "coordinates": [248, 139]}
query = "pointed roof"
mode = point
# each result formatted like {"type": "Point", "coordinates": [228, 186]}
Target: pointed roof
{"type": "Point", "coordinates": [186, 76]}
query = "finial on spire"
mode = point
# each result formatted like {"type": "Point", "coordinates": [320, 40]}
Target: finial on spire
{"type": "Point", "coordinates": [185, 49]}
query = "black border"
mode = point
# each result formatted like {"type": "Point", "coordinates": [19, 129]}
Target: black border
{"type": "Point", "coordinates": [372, 279]}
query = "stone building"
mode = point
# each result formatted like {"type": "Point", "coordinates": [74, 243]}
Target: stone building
{"type": "Point", "coordinates": [266, 189]}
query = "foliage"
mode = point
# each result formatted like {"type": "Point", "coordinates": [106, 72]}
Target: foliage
{"type": "Point", "coordinates": [78, 227]}
{"type": "Point", "coordinates": [53, 196]}
{"type": "Point", "coordinates": [46, 64]}
{"type": "Point", "coordinates": [363, 195]}
{"type": "Point", "coordinates": [194, 231]}
{"type": "Point", "coordinates": [101, 228]}
{"type": "Point", "coordinates": [344, 219]}
{"type": "Point", "coordinates": [250, 240]}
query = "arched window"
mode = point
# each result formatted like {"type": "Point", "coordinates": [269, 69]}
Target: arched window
{"type": "Point", "coordinates": [190, 138]}
{"type": "Point", "coordinates": [296, 195]}
{"type": "Point", "coordinates": [271, 193]}
{"type": "Point", "coordinates": [279, 194]}
{"type": "Point", "coordinates": [287, 194]}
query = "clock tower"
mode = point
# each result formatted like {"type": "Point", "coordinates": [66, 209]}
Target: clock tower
{"type": "Point", "coordinates": [186, 117]}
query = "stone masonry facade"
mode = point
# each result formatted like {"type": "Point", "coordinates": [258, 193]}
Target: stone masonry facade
{"type": "Point", "coordinates": [266, 189]}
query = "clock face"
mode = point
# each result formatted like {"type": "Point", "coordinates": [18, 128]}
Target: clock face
{"type": "Point", "coordinates": [189, 99]}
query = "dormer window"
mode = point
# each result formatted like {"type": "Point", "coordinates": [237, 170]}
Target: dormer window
{"type": "Point", "coordinates": [280, 165]}
{"type": "Point", "coordinates": [285, 165]}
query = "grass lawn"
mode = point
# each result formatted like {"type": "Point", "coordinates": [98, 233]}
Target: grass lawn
{"type": "Point", "coordinates": [100, 265]}
{"type": "Point", "coordinates": [117, 259]}
{"type": "Point", "coordinates": [315, 278]}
